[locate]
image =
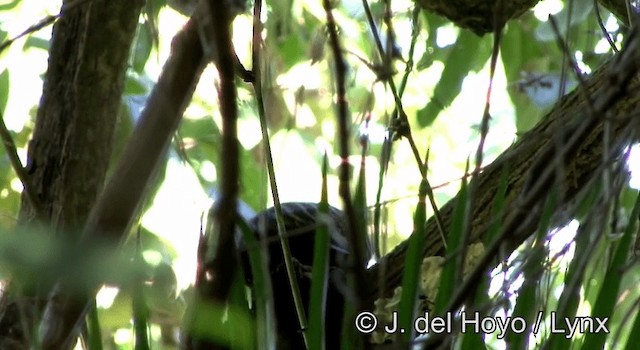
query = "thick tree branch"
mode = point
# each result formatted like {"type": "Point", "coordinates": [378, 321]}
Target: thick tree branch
{"type": "Point", "coordinates": [526, 161]}
{"type": "Point", "coordinates": [214, 282]}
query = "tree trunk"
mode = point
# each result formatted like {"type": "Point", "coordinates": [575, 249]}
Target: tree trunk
{"type": "Point", "coordinates": [71, 146]}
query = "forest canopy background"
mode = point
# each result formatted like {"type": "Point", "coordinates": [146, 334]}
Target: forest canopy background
{"type": "Point", "coordinates": [448, 70]}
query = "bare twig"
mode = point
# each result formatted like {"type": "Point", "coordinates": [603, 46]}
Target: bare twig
{"type": "Point", "coordinates": [12, 153]}
{"type": "Point", "coordinates": [283, 235]}
{"type": "Point", "coordinates": [399, 124]}
{"type": "Point", "coordinates": [353, 230]}
{"type": "Point", "coordinates": [388, 143]}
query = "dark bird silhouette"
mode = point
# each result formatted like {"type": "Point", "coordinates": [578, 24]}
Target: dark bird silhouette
{"type": "Point", "coordinates": [301, 222]}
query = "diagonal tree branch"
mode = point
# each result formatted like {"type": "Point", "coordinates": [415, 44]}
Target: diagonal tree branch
{"type": "Point", "coordinates": [612, 88]}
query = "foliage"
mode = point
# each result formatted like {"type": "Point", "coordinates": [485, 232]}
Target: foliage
{"type": "Point", "coordinates": [413, 64]}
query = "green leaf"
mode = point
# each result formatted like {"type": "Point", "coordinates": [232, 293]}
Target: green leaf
{"type": "Point", "coordinates": [133, 85]}
{"type": "Point", "coordinates": [36, 42]}
{"type": "Point", "coordinates": [4, 90]}
{"type": "Point", "coordinates": [320, 272]}
{"type": "Point", "coordinates": [413, 267]}
{"type": "Point", "coordinates": [265, 313]}
{"type": "Point", "coordinates": [472, 340]}
{"type": "Point", "coordinates": [463, 56]}
{"type": "Point", "coordinates": [604, 306]}
{"type": "Point", "coordinates": [449, 278]}
{"type": "Point", "coordinates": [360, 206]}
{"type": "Point", "coordinates": [142, 47]}
{"type": "Point", "coordinates": [140, 317]}
{"type": "Point", "coordinates": [517, 50]}
{"type": "Point", "coordinates": [215, 322]}
{"type": "Point", "coordinates": [292, 51]}
{"type": "Point", "coordinates": [94, 334]}
{"type": "Point", "coordinates": [241, 336]}
{"type": "Point", "coordinates": [634, 334]}
{"type": "Point", "coordinates": [526, 302]}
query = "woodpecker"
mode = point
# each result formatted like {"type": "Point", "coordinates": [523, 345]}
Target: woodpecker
{"type": "Point", "coordinates": [301, 221]}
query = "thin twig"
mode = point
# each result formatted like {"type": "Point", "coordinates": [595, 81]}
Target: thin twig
{"type": "Point", "coordinates": [116, 206]}
{"type": "Point", "coordinates": [223, 265]}
{"type": "Point", "coordinates": [67, 6]}
{"type": "Point", "coordinates": [356, 249]}
{"type": "Point", "coordinates": [388, 143]}
{"type": "Point", "coordinates": [399, 123]}
{"type": "Point", "coordinates": [12, 153]}
{"type": "Point", "coordinates": [282, 234]}
{"type": "Point", "coordinates": [373, 27]}
{"type": "Point", "coordinates": [605, 33]}
{"type": "Point", "coordinates": [484, 132]}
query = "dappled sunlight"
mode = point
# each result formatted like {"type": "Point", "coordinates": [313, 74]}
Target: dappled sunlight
{"type": "Point", "coordinates": [633, 164]}
{"type": "Point", "coordinates": [175, 217]}
{"type": "Point", "coordinates": [437, 100]}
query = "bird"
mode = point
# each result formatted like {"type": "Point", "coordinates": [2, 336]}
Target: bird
{"type": "Point", "coordinates": [300, 223]}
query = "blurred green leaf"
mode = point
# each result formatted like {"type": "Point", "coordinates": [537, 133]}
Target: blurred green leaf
{"type": "Point", "coordinates": [142, 47]}
{"type": "Point", "coordinates": [607, 297]}
{"type": "Point", "coordinates": [518, 51]}
{"type": "Point", "coordinates": [133, 85]}
{"type": "Point", "coordinates": [450, 277]}
{"type": "Point", "coordinates": [466, 54]}
{"type": "Point", "coordinates": [9, 5]}
{"type": "Point", "coordinates": [36, 42]}
{"type": "Point", "coordinates": [262, 287]}
{"type": "Point", "coordinates": [94, 332]}
{"type": "Point", "coordinates": [413, 267]}
{"type": "Point", "coordinates": [140, 310]}
{"type": "Point", "coordinates": [292, 51]}
{"type": "Point", "coordinates": [320, 273]}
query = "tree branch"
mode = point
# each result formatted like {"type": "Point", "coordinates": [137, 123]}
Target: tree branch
{"type": "Point", "coordinates": [527, 160]}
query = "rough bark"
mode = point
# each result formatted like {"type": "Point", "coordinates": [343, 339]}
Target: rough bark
{"type": "Point", "coordinates": [71, 145]}
{"type": "Point", "coordinates": [110, 218]}
{"type": "Point", "coordinates": [527, 159]}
